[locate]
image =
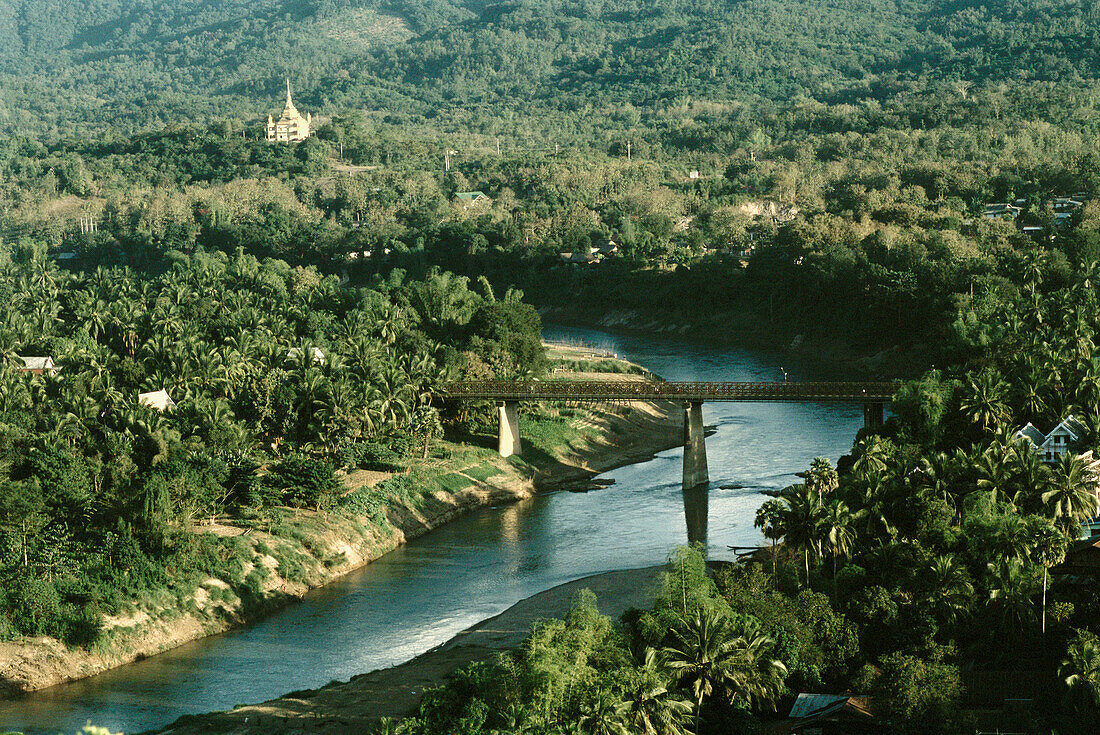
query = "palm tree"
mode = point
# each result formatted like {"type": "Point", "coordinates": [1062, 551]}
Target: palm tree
{"type": "Point", "coordinates": [648, 706]}
{"type": "Point", "coordinates": [769, 519]}
{"type": "Point", "coordinates": [701, 656]}
{"type": "Point", "coordinates": [1010, 594]}
{"type": "Point", "coordinates": [1080, 669]}
{"type": "Point", "coordinates": [821, 477]}
{"type": "Point", "coordinates": [952, 591]}
{"type": "Point", "coordinates": [838, 523]}
{"type": "Point", "coordinates": [1071, 494]}
{"type": "Point", "coordinates": [984, 400]}
{"type": "Point", "coordinates": [759, 680]}
{"type": "Point", "coordinates": [601, 716]}
{"type": "Point", "coordinates": [1048, 549]}
{"type": "Point", "coordinates": [801, 521]}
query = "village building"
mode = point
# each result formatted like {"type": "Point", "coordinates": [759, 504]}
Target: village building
{"type": "Point", "coordinates": [471, 199]}
{"type": "Point", "coordinates": [317, 357]}
{"type": "Point", "coordinates": [1001, 209]}
{"type": "Point", "coordinates": [605, 246]}
{"type": "Point", "coordinates": [158, 400]}
{"type": "Point", "coordinates": [1061, 439]}
{"type": "Point", "coordinates": [582, 258]}
{"type": "Point", "coordinates": [290, 126]}
{"type": "Point", "coordinates": [39, 365]}
{"type": "Point", "coordinates": [829, 714]}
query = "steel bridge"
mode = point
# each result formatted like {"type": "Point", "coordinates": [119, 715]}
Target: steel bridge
{"type": "Point", "coordinates": [508, 394]}
{"type": "Point", "coordinates": [643, 390]}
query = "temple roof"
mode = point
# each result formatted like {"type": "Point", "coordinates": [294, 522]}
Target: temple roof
{"type": "Point", "coordinates": [290, 112]}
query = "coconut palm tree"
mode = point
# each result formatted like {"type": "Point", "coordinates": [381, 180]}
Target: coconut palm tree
{"type": "Point", "coordinates": [701, 657]}
{"type": "Point", "coordinates": [603, 715]}
{"type": "Point", "coordinates": [1080, 669]}
{"type": "Point", "coordinates": [951, 590]}
{"type": "Point", "coordinates": [648, 706]}
{"type": "Point", "coordinates": [1071, 494]}
{"type": "Point", "coordinates": [801, 521]}
{"type": "Point", "coordinates": [838, 524]}
{"type": "Point", "coordinates": [984, 400]}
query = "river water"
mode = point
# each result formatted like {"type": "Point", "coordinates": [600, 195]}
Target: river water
{"type": "Point", "coordinates": [429, 590]}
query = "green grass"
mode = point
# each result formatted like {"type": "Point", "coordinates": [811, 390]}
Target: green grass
{"type": "Point", "coordinates": [453, 482]}
{"type": "Point", "coordinates": [482, 472]}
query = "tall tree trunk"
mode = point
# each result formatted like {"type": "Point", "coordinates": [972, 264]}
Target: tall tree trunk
{"type": "Point", "coordinates": [1044, 602]}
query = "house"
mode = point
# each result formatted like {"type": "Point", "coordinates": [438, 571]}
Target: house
{"type": "Point", "coordinates": [1003, 209]}
{"type": "Point", "coordinates": [39, 365]}
{"type": "Point", "coordinates": [1061, 439]}
{"type": "Point", "coordinates": [469, 199]}
{"type": "Point", "coordinates": [831, 714]}
{"type": "Point", "coordinates": [158, 400]}
{"type": "Point", "coordinates": [606, 246]}
{"type": "Point", "coordinates": [1066, 204]}
{"type": "Point", "coordinates": [693, 174]}
{"type": "Point", "coordinates": [295, 353]}
{"type": "Point", "coordinates": [583, 258]}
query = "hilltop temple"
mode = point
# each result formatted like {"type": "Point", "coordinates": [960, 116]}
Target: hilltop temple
{"type": "Point", "coordinates": [290, 125]}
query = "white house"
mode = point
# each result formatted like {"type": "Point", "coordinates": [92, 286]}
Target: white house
{"type": "Point", "coordinates": [158, 400]}
{"type": "Point", "coordinates": [1061, 439]}
{"type": "Point", "coordinates": [316, 354]}
{"type": "Point", "coordinates": [39, 365]}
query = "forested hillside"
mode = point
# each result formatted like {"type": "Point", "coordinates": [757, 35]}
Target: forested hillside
{"type": "Point", "coordinates": [80, 64]}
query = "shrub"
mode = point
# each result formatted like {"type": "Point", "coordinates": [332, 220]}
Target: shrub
{"type": "Point", "coordinates": [305, 481]}
{"type": "Point", "coordinates": [34, 607]}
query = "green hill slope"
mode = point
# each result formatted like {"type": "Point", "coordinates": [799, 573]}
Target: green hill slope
{"type": "Point", "coordinates": [68, 64]}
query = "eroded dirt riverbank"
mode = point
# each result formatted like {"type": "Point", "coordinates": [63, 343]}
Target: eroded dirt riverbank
{"type": "Point", "coordinates": [353, 706]}
{"type": "Point", "coordinates": [618, 435]}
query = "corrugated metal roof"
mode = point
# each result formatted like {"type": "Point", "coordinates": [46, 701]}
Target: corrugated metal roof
{"type": "Point", "coordinates": [810, 704]}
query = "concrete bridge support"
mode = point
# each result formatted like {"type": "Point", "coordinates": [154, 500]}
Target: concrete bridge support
{"type": "Point", "coordinates": [509, 442]}
{"type": "Point", "coordinates": [873, 415]}
{"type": "Point", "coordinates": [695, 447]}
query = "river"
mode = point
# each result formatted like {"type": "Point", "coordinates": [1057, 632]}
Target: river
{"type": "Point", "coordinates": [477, 566]}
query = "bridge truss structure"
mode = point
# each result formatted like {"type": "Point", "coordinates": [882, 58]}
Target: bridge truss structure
{"type": "Point", "coordinates": [688, 392]}
{"type": "Point", "coordinates": [508, 394]}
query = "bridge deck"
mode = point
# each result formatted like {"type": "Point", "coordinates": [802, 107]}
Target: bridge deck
{"type": "Point", "coordinates": [637, 390]}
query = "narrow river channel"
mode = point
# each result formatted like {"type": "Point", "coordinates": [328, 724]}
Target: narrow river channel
{"type": "Point", "coordinates": [424, 593]}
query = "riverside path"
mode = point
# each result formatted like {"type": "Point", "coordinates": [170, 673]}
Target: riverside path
{"type": "Point", "coordinates": [508, 393]}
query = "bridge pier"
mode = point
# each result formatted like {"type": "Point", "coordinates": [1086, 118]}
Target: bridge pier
{"type": "Point", "coordinates": [695, 447]}
{"type": "Point", "coordinates": [873, 413]}
{"type": "Point", "coordinates": [509, 443]}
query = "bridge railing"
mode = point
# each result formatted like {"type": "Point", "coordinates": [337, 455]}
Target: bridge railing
{"type": "Point", "coordinates": [596, 390]}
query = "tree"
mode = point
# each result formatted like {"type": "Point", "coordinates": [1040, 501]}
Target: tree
{"type": "Point", "coordinates": [821, 477]}
{"type": "Point", "coordinates": [802, 519]}
{"type": "Point", "coordinates": [1048, 549]}
{"type": "Point", "coordinates": [1080, 669]}
{"type": "Point", "coordinates": [648, 705]}
{"type": "Point", "coordinates": [1072, 494]}
{"type": "Point", "coordinates": [769, 519]}
{"type": "Point", "coordinates": [700, 657]}
{"type": "Point", "coordinates": [950, 589]}
{"type": "Point", "coordinates": [984, 400]}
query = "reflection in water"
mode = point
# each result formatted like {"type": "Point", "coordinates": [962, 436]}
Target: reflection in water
{"type": "Point", "coordinates": [473, 568]}
{"type": "Point", "coordinates": [695, 513]}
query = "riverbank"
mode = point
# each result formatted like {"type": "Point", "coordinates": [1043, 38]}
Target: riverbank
{"type": "Point", "coordinates": [352, 707]}
{"type": "Point", "coordinates": [270, 563]}
{"type": "Point", "coordinates": [745, 329]}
